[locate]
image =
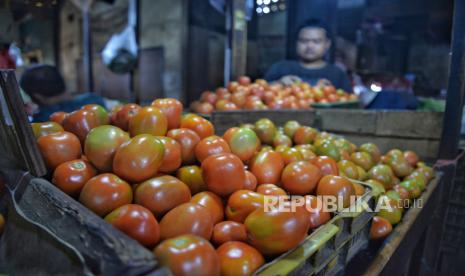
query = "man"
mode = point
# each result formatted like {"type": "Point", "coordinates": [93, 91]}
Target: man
{"type": "Point", "coordinates": [312, 44]}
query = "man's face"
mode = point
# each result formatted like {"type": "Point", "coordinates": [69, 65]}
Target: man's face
{"type": "Point", "coordinates": [312, 44]}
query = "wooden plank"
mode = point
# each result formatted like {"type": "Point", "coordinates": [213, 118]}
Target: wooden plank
{"type": "Point", "coordinates": [347, 120]}
{"type": "Point", "coordinates": [415, 124]}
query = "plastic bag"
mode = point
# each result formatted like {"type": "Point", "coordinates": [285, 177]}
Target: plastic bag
{"type": "Point", "coordinates": [15, 54]}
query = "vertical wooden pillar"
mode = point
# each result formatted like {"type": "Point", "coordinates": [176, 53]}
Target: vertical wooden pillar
{"type": "Point", "coordinates": [87, 51]}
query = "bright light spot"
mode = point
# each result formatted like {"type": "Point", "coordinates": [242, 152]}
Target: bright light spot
{"type": "Point", "coordinates": [266, 10]}
{"type": "Point", "coordinates": [375, 87]}
{"type": "Point", "coordinates": [259, 10]}
{"type": "Point", "coordinates": [259, 2]}
{"type": "Point", "coordinates": [274, 8]}
{"type": "Point", "coordinates": [266, 2]}
{"type": "Point", "coordinates": [274, 1]}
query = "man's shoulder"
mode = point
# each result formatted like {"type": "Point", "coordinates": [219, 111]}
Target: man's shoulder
{"type": "Point", "coordinates": [286, 63]}
{"type": "Point", "coordinates": [334, 69]}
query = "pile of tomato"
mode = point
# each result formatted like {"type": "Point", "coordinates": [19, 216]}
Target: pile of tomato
{"type": "Point", "coordinates": [166, 180]}
{"type": "Point", "coordinates": [259, 95]}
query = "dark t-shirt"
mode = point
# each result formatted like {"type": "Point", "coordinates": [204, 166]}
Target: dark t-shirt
{"type": "Point", "coordinates": [292, 67]}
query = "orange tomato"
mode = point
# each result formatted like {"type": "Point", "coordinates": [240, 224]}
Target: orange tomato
{"type": "Point", "coordinates": [304, 135]}
{"type": "Point", "coordinates": [228, 231]}
{"type": "Point", "coordinates": [315, 208]}
{"type": "Point", "coordinates": [58, 148]}
{"type": "Point", "coordinates": [223, 173]}
{"type": "Point", "coordinates": [326, 164]}
{"type": "Point", "coordinates": [250, 181]}
{"type": "Point", "coordinates": [267, 167]}
{"type": "Point", "coordinates": [238, 258]}
{"type": "Point", "coordinates": [172, 155]}
{"type": "Point", "coordinates": [241, 203]}
{"type": "Point", "coordinates": [71, 176]}
{"type": "Point", "coordinates": [212, 202]}
{"type": "Point", "coordinates": [300, 177]}
{"type": "Point", "coordinates": [338, 186]}
{"type": "Point", "coordinates": [210, 146]}
{"type": "Point", "coordinates": [188, 139]}
{"type": "Point", "coordinates": [58, 117]}
{"type": "Point", "coordinates": [270, 189]}
{"type": "Point", "coordinates": [172, 109]}
{"type": "Point", "coordinates": [148, 120]}
{"type": "Point", "coordinates": [122, 116]}
{"type": "Point", "coordinates": [201, 126]}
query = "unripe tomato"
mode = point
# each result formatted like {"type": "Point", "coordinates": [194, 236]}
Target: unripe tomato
{"type": "Point", "coordinates": [210, 146]}
{"type": "Point", "coordinates": [102, 114]}
{"type": "Point", "coordinates": [71, 176]}
{"type": "Point", "coordinates": [223, 173]}
{"type": "Point", "coordinates": [149, 120]}
{"type": "Point", "coordinates": [243, 142]}
{"type": "Point", "coordinates": [226, 231]}
{"type": "Point", "coordinates": [58, 148]}
{"type": "Point", "coordinates": [212, 202]}
{"type": "Point", "coordinates": [266, 130]}
{"type": "Point", "coordinates": [192, 177]}
{"type": "Point", "coordinates": [304, 135]}
{"type": "Point", "coordinates": [45, 128]}
{"type": "Point", "coordinates": [80, 122]}
{"type": "Point", "coordinates": [172, 109]}
{"type": "Point", "coordinates": [238, 258]}
{"type": "Point", "coordinates": [188, 139]}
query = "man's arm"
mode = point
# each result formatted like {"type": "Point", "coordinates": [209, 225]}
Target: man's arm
{"type": "Point", "coordinates": [273, 73]}
{"type": "Point", "coordinates": [344, 82]}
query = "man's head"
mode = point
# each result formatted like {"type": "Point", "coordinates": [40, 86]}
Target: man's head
{"type": "Point", "coordinates": [43, 83]}
{"type": "Point", "coordinates": [313, 41]}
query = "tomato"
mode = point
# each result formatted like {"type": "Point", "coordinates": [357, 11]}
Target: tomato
{"type": "Point", "coordinates": [348, 169]}
{"type": "Point", "coordinates": [266, 130]}
{"type": "Point", "coordinates": [188, 255]}
{"type": "Point", "coordinates": [209, 97]}
{"type": "Point", "coordinates": [139, 158]}
{"type": "Point", "coordinates": [205, 108]}
{"type": "Point", "coordinates": [172, 109]}
{"type": "Point", "coordinates": [389, 210]}
{"type": "Point", "coordinates": [380, 228]}
{"type": "Point", "coordinates": [102, 114]}
{"type": "Point", "coordinates": [126, 112]}
{"type": "Point", "coordinates": [383, 174]}
{"type": "Point", "coordinates": [315, 209]}
{"type": "Point", "coordinates": [270, 189]}
{"type": "Point", "coordinates": [42, 129]}
{"type": "Point", "coordinates": [241, 203]}
{"type": "Point", "coordinates": [238, 258]}
{"type": "Point", "coordinates": [113, 113]}
{"type": "Point", "coordinates": [210, 146]}
{"type": "Point", "coordinates": [327, 165]}
{"type": "Point", "coordinates": [362, 159]}
{"type": "Point", "coordinates": [223, 173]}
{"type": "Point", "coordinates": [244, 80]}
{"type": "Point", "coordinates": [226, 231]}
{"type": "Point", "coordinates": [80, 122]}
{"type": "Point", "coordinates": [275, 231]}
{"type": "Point", "coordinates": [250, 181]}
{"type": "Point", "coordinates": [71, 176]}
{"type": "Point", "coordinates": [243, 142]}
{"type": "Point", "coordinates": [58, 117]}
{"type": "Point", "coordinates": [373, 150]}
{"type": "Point", "coordinates": [192, 176]}
{"type": "Point", "coordinates": [228, 133]}
{"type": "Point", "coordinates": [411, 185]}
{"type": "Point", "coordinates": [267, 167]}
{"type": "Point", "coordinates": [161, 194]}
{"type": "Point", "coordinates": [212, 202]}
{"type": "Point", "coordinates": [304, 135]}
{"type": "Point", "coordinates": [290, 128]}
{"type": "Point", "coordinates": [200, 125]}
{"type": "Point", "coordinates": [300, 177]}
{"type": "Point", "coordinates": [338, 186]}
{"type": "Point", "coordinates": [171, 156]}
{"type": "Point", "coordinates": [149, 120]}
{"type": "Point", "coordinates": [358, 188]}
{"type": "Point", "coordinates": [403, 192]}
{"type": "Point", "coordinates": [291, 155]}
{"type": "Point", "coordinates": [307, 155]}
{"type": "Point", "coordinates": [281, 139]}
{"type": "Point", "coordinates": [104, 193]}
{"type": "Point", "coordinates": [101, 145]}
{"type": "Point", "coordinates": [58, 148]}
{"type": "Point", "coordinates": [328, 148]}
{"type": "Point", "coordinates": [187, 218]}
{"type": "Point", "coordinates": [188, 139]}
{"type": "Point", "coordinates": [137, 222]}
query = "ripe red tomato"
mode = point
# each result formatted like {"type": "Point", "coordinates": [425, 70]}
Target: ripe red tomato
{"type": "Point", "coordinates": [284, 230]}
{"type": "Point", "coordinates": [71, 176]}
{"type": "Point", "coordinates": [104, 193]}
{"type": "Point", "coordinates": [317, 215]}
{"type": "Point", "coordinates": [243, 202]}
{"type": "Point", "coordinates": [326, 164]}
{"type": "Point", "coordinates": [172, 109]}
{"type": "Point", "coordinates": [304, 135]}
{"type": "Point", "coordinates": [228, 231]}
{"type": "Point", "coordinates": [187, 218]}
{"type": "Point", "coordinates": [139, 158]}
{"type": "Point", "coordinates": [238, 258]}
{"type": "Point", "coordinates": [149, 120]}
{"type": "Point", "coordinates": [58, 117]}
{"type": "Point", "coordinates": [338, 186]}
{"type": "Point", "coordinates": [192, 176]}
{"type": "Point", "coordinates": [172, 155]}
{"type": "Point", "coordinates": [188, 255]}
{"type": "Point", "coordinates": [188, 139]}
{"type": "Point", "coordinates": [300, 177]}
{"type": "Point", "coordinates": [250, 181]}
{"type": "Point", "coordinates": [270, 189]}
{"type": "Point", "coordinates": [209, 97]}
{"type": "Point", "coordinates": [58, 148]}
{"type": "Point", "coordinates": [137, 222]}
{"type": "Point", "coordinates": [45, 128]}
{"type": "Point", "coordinates": [126, 112]}
{"type": "Point", "coordinates": [101, 145]}
{"type": "Point", "coordinates": [223, 173]}
{"type": "Point", "coordinates": [212, 202]}
{"type": "Point", "coordinates": [267, 167]}
{"type": "Point", "coordinates": [411, 157]}
{"type": "Point", "coordinates": [200, 125]}
{"type": "Point", "coordinates": [210, 146]}
{"type": "Point", "coordinates": [380, 228]}
{"type": "Point", "coordinates": [244, 80]}
{"type": "Point", "coordinates": [80, 122]}
{"type": "Point", "coordinates": [243, 142]}
{"type": "Point", "coordinates": [403, 192]}
{"type": "Point", "coordinates": [102, 114]}
{"type": "Point", "coordinates": [161, 194]}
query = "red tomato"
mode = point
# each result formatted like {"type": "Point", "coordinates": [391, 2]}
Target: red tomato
{"type": "Point", "coordinates": [58, 148]}
{"type": "Point", "coordinates": [250, 181]}
{"type": "Point", "coordinates": [136, 222]}
{"type": "Point", "coordinates": [338, 186]}
{"type": "Point", "coordinates": [208, 97]}
{"type": "Point", "coordinates": [149, 120]}
{"type": "Point", "coordinates": [188, 139]}
{"type": "Point", "coordinates": [411, 157]}
{"type": "Point", "coordinates": [71, 176]}
{"type": "Point", "coordinates": [101, 145]}
{"type": "Point", "coordinates": [200, 125]}
{"type": "Point", "coordinates": [101, 113]}
{"type": "Point", "coordinates": [223, 173]}
{"type": "Point", "coordinates": [228, 231]}
{"type": "Point", "coordinates": [58, 117]}
{"type": "Point", "coordinates": [326, 164]}
{"type": "Point", "coordinates": [212, 202]}
{"type": "Point", "coordinates": [244, 80]}
{"type": "Point", "coordinates": [161, 194]}
{"type": "Point", "coordinates": [188, 255]}
{"type": "Point", "coordinates": [238, 258]}
{"type": "Point", "coordinates": [80, 122]}
{"type": "Point", "coordinates": [205, 108]}
{"type": "Point", "coordinates": [300, 177]}
{"type": "Point", "coordinates": [187, 218]}
{"type": "Point", "coordinates": [126, 112]}
{"type": "Point", "coordinates": [270, 189]}
{"type": "Point", "coordinates": [243, 142]}
{"type": "Point", "coordinates": [172, 109]}
{"type": "Point", "coordinates": [243, 202]}
{"type": "Point", "coordinates": [267, 167]}
{"type": "Point", "coordinates": [139, 158]}
{"type": "Point", "coordinates": [403, 192]}
{"type": "Point", "coordinates": [192, 176]}
{"type": "Point", "coordinates": [172, 155]}
{"type": "Point", "coordinates": [45, 128]}
{"type": "Point", "coordinates": [304, 135]}
{"type": "Point", "coordinates": [104, 193]}
{"type": "Point", "coordinates": [210, 146]}
{"type": "Point", "coordinates": [314, 207]}
{"type": "Point", "coordinates": [380, 228]}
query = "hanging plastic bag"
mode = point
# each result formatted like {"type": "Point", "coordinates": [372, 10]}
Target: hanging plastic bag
{"type": "Point", "coordinates": [120, 52]}
{"type": "Point", "coordinates": [15, 54]}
